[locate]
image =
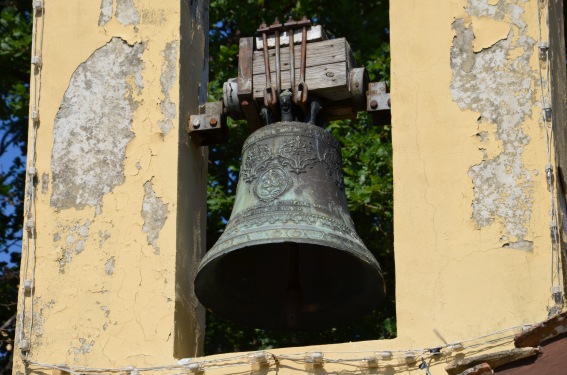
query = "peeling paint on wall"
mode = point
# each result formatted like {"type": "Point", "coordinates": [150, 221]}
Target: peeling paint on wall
{"type": "Point", "coordinates": [103, 237]}
{"type": "Point", "coordinates": [105, 12]}
{"type": "Point", "coordinates": [106, 311]}
{"type": "Point", "coordinates": [44, 183]}
{"type": "Point", "coordinates": [126, 12]}
{"type": "Point", "coordinates": [93, 125]}
{"type": "Point", "coordinates": [154, 213]}
{"type": "Point", "coordinates": [167, 80]}
{"type": "Point", "coordinates": [109, 266]}
{"type": "Point", "coordinates": [83, 349]}
{"type": "Point", "coordinates": [74, 243]}
{"type": "Point", "coordinates": [487, 82]}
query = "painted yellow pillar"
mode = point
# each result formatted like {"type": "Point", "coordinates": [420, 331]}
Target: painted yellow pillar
{"type": "Point", "coordinates": [119, 208]}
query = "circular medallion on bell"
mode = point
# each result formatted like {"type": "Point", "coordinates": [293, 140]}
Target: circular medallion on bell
{"type": "Point", "coordinates": [273, 183]}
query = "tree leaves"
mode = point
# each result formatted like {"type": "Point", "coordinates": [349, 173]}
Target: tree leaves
{"type": "Point", "coordinates": [15, 43]}
{"type": "Point", "coordinates": [366, 155]}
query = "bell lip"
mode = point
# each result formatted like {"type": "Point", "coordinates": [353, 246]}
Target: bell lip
{"type": "Point", "coordinates": [360, 251]}
{"type": "Point", "coordinates": [358, 309]}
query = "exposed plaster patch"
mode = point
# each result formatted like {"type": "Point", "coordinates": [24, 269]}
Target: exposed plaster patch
{"type": "Point", "coordinates": [126, 12]}
{"type": "Point", "coordinates": [85, 348]}
{"type": "Point", "coordinates": [44, 183]}
{"type": "Point", "coordinates": [74, 243]}
{"type": "Point", "coordinates": [106, 311]}
{"type": "Point", "coordinates": [520, 245]}
{"type": "Point", "coordinates": [103, 237]}
{"type": "Point", "coordinates": [167, 80]}
{"type": "Point", "coordinates": [154, 16]}
{"type": "Point", "coordinates": [482, 136]}
{"type": "Point", "coordinates": [65, 258]}
{"type": "Point", "coordinates": [93, 126]}
{"type": "Point", "coordinates": [154, 213]}
{"type": "Point", "coordinates": [487, 82]}
{"type": "Point", "coordinates": [56, 237]}
{"type": "Point", "coordinates": [109, 266]}
{"type": "Point", "coordinates": [105, 12]}
{"type": "Point", "coordinates": [37, 318]}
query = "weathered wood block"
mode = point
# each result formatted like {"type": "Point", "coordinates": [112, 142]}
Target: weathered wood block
{"type": "Point", "coordinates": [328, 64]}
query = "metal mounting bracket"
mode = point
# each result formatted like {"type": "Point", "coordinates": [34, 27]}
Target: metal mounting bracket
{"type": "Point", "coordinates": [209, 126]}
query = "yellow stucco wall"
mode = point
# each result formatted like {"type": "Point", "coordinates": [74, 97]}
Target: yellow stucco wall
{"type": "Point", "coordinates": [472, 206]}
{"type": "Point", "coordinates": [116, 178]}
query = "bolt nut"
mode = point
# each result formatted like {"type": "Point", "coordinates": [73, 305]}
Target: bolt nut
{"type": "Point", "coordinates": [213, 122]}
{"type": "Point", "coordinates": [245, 103]}
{"type": "Point", "coordinates": [373, 104]}
{"type": "Point", "coordinates": [196, 123]}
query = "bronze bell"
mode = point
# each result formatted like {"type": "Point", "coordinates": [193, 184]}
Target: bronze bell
{"type": "Point", "coordinates": [290, 258]}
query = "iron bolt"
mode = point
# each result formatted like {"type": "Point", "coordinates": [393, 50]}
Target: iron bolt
{"type": "Point", "coordinates": [245, 103]}
{"type": "Point", "coordinates": [196, 123]}
{"type": "Point", "coordinates": [213, 122]}
{"type": "Point", "coordinates": [373, 104]}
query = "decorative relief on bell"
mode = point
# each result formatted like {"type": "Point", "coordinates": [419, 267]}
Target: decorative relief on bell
{"type": "Point", "coordinates": [334, 164]}
{"type": "Point", "coordinates": [298, 154]}
{"type": "Point", "coordinates": [255, 161]}
{"type": "Point", "coordinates": [273, 183]}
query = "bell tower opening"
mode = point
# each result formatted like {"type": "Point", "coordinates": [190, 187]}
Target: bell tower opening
{"type": "Point", "coordinates": [298, 289]}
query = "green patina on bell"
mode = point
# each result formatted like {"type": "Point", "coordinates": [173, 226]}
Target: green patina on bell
{"type": "Point", "coordinates": [290, 258]}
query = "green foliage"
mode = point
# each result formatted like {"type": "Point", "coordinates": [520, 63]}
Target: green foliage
{"type": "Point", "coordinates": [367, 155]}
{"type": "Point", "coordinates": [15, 42]}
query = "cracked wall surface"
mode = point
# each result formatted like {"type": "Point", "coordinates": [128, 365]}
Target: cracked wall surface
{"type": "Point", "coordinates": [114, 167]}
{"type": "Point", "coordinates": [472, 208]}
{"type": "Point", "coordinates": [494, 78]}
{"type": "Point", "coordinates": [93, 125]}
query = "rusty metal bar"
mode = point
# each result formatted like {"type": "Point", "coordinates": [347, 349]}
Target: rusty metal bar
{"type": "Point", "coordinates": [269, 95]}
{"type": "Point", "coordinates": [290, 24]}
{"type": "Point", "coordinates": [304, 90]}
